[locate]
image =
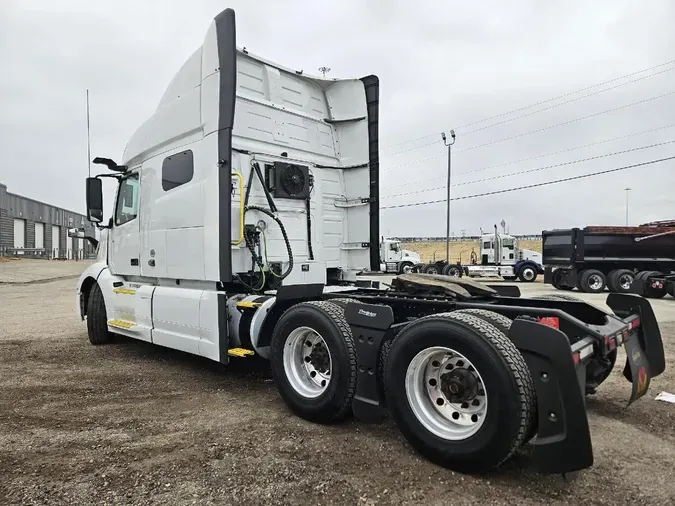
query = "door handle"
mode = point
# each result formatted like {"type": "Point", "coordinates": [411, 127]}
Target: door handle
{"type": "Point", "coordinates": [134, 262]}
{"type": "Point", "coordinates": [151, 262]}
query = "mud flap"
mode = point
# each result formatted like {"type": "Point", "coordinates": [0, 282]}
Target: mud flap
{"type": "Point", "coordinates": [563, 442]}
{"type": "Point", "coordinates": [637, 369]}
{"type": "Point", "coordinates": [368, 323]}
{"type": "Point", "coordinates": [648, 336]}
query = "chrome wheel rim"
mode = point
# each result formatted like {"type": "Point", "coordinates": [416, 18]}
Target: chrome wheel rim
{"type": "Point", "coordinates": [528, 274]}
{"type": "Point", "coordinates": [446, 393]}
{"type": "Point", "coordinates": [407, 269]}
{"type": "Point", "coordinates": [595, 282]}
{"type": "Point", "coordinates": [454, 272]}
{"type": "Point", "coordinates": [625, 280]}
{"type": "Point", "coordinates": [432, 270]}
{"type": "Point", "coordinates": [307, 362]}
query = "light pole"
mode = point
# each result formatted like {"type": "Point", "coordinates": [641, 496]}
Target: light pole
{"type": "Point", "coordinates": [627, 190]}
{"type": "Point", "coordinates": [447, 228]}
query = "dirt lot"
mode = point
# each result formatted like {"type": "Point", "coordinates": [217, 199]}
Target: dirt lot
{"type": "Point", "coordinates": [130, 423]}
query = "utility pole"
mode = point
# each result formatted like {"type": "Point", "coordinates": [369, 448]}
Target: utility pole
{"type": "Point", "coordinates": [447, 228]}
{"type": "Point", "coordinates": [324, 71]}
{"type": "Point", "coordinates": [627, 190]}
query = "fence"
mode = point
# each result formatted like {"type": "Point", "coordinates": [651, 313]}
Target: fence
{"type": "Point", "coordinates": [463, 238]}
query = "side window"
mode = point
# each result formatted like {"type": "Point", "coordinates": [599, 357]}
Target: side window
{"type": "Point", "coordinates": [486, 245]}
{"type": "Point", "coordinates": [128, 199]}
{"type": "Point", "coordinates": [177, 170]}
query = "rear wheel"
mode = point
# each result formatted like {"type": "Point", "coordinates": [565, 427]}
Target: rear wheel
{"type": "Point", "coordinates": [430, 269]}
{"type": "Point", "coordinates": [619, 280]}
{"type": "Point", "coordinates": [592, 281]}
{"type": "Point", "coordinates": [97, 318]}
{"type": "Point", "coordinates": [558, 280]}
{"type": "Point", "coordinates": [456, 387]}
{"type": "Point", "coordinates": [314, 361]}
{"type": "Point", "coordinates": [452, 270]}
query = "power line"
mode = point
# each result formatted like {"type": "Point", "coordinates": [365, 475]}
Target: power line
{"type": "Point", "coordinates": [542, 102]}
{"type": "Point", "coordinates": [566, 150]}
{"type": "Point", "coordinates": [567, 94]}
{"type": "Point", "coordinates": [538, 169]}
{"type": "Point", "coordinates": [566, 102]}
{"type": "Point", "coordinates": [536, 185]}
{"type": "Point", "coordinates": [566, 122]}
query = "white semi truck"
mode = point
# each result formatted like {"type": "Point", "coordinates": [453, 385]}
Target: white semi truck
{"type": "Point", "coordinates": [245, 206]}
{"type": "Point", "coordinates": [393, 258]}
{"type": "Point", "coordinates": [500, 256]}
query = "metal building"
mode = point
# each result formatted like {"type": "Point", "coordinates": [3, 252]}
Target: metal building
{"type": "Point", "coordinates": [32, 228]}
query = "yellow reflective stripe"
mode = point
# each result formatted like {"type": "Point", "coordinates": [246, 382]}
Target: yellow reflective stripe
{"type": "Point", "coordinates": [122, 324]}
{"type": "Point", "coordinates": [240, 352]}
{"type": "Point", "coordinates": [124, 291]}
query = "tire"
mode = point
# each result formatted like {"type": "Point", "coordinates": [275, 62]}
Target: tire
{"type": "Point", "coordinates": [405, 268]}
{"type": "Point", "coordinates": [592, 281]}
{"type": "Point", "coordinates": [619, 280]}
{"type": "Point", "coordinates": [527, 273]}
{"type": "Point", "coordinates": [452, 270]}
{"type": "Point", "coordinates": [328, 397]}
{"type": "Point", "coordinates": [503, 374]}
{"type": "Point", "coordinates": [557, 281]}
{"type": "Point", "coordinates": [503, 323]}
{"type": "Point", "coordinates": [97, 318]}
{"type": "Point", "coordinates": [651, 292]}
{"type": "Point", "coordinates": [430, 269]}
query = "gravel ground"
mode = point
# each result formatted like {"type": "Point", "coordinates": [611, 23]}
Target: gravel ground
{"type": "Point", "coordinates": [129, 423]}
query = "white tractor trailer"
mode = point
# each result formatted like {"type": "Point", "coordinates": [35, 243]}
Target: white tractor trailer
{"type": "Point", "coordinates": [246, 205]}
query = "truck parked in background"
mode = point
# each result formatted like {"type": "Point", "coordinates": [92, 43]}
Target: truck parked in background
{"type": "Point", "coordinates": [395, 259]}
{"type": "Point", "coordinates": [500, 255]}
{"type": "Point", "coordinates": [598, 257]}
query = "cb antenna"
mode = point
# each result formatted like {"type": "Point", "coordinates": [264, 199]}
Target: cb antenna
{"type": "Point", "coordinates": [324, 71]}
{"type": "Point", "coordinates": [88, 137]}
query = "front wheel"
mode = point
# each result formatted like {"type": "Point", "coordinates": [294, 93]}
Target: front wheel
{"type": "Point", "coordinates": [458, 390]}
{"type": "Point", "coordinates": [405, 268]}
{"type": "Point", "coordinates": [314, 361]}
{"type": "Point", "coordinates": [527, 274]}
{"type": "Point", "coordinates": [97, 318]}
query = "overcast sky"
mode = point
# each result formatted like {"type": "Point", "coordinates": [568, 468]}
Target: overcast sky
{"type": "Point", "coordinates": [442, 64]}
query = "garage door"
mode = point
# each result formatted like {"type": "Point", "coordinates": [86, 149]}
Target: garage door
{"type": "Point", "coordinates": [19, 234]}
{"type": "Point", "coordinates": [56, 231]}
{"type": "Point", "coordinates": [39, 235]}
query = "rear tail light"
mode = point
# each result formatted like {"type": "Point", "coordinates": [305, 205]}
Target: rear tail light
{"type": "Point", "coordinates": [583, 353]}
{"type": "Point", "coordinates": [634, 324]}
{"type": "Point", "coordinates": [549, 321]}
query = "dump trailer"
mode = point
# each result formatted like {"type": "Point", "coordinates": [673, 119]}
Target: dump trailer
{"type": "Point", "coordinates": [596, 258]}
{"type": "Point", "coordinates": [655, 284]}
{"type": "Point", "coordinates": [246, 205]}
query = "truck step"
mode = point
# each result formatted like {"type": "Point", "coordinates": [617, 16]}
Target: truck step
{"type": "Point", "coordinates": [240, 352]}
{"type": "Point", "coordinates": [121, 324]}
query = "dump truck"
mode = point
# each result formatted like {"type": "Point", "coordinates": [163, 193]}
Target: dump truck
{"type": "Point", "coordinates": [246, 205]}
{"type": "Point", "coordinates": [596, 258]}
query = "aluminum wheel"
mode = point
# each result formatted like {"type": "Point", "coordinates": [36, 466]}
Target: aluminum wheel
{"type": "Point", "coordinates": [307, 362]}
{"type": "Point", "coordinates": [407, 269]}
{"type": "Point", "coordinates": [529, 274]}
{"type": "Point", "coordinates": [446, 393]}
{"type": "Point", "coordinates": [595, 282]}
{"type": "Point", "coordinates": [625, 280]}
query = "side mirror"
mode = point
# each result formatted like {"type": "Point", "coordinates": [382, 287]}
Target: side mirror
{"type": "Point", "coordinates": [94, 200]}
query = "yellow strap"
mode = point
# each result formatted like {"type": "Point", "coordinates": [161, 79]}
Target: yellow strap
{"type": "Point", "coordinates": [122, 324]}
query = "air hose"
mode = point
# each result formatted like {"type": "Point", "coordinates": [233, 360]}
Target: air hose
{"type": "Point", "coordinates": [255, 169]}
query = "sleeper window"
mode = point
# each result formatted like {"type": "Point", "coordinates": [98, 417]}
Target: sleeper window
{"type": "Point", "coordinates": [177, 170]}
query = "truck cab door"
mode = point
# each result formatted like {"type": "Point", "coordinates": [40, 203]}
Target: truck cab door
{"type": "Point", "coordinates": [125, 239]}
